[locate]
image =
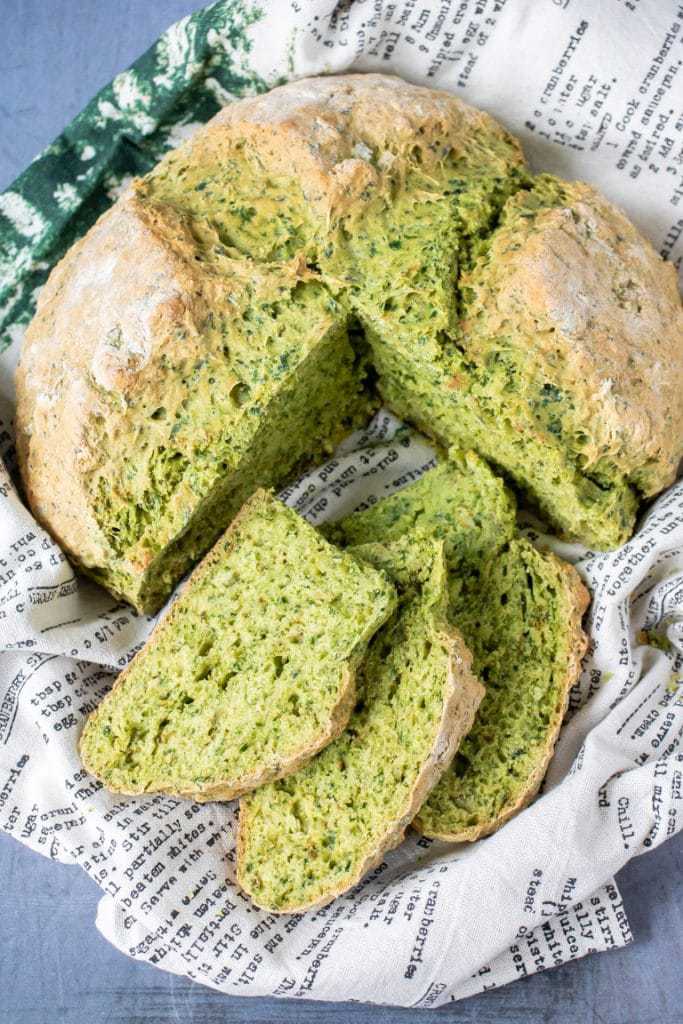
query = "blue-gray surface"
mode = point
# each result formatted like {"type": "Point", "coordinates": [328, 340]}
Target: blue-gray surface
{"type": "Point", "coordinates": [56, 969]}
{"type": "Point", "coordinates": [54, 966]}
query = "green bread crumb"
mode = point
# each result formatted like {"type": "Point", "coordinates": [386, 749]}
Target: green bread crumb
{"type": "Point", "coordinates": [655, 639]}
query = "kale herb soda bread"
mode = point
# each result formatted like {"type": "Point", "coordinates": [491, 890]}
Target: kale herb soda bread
{"type": "Point", "coordinates": [304, 840]}
{"type": "Point", "coordinates": [252, 671]}
{"type": "Point", "coordinates": [214, 327]}
{"type": "Point", "coordinates": [519, 611]}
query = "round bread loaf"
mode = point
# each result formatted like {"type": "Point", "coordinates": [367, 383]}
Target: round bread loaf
{"type": "Point", "coordinates": [215, 327]}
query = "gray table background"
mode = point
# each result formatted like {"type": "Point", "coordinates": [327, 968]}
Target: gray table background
{"type": "Point", "coordinates": [54, 966]}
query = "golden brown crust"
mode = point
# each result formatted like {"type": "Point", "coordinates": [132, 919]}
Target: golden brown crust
{"type": "Point", "coordinates": [94, 342]}
{"type": "Point", "coordinates": [465, 693]}
{"type": "Point", "coordinates": [577, 600]}
{"type": "Point", "coordinates": [228, 789]}
{"type": "Point", "coordinates": [312, 126]}
{"type": "Point", "coordinates": [602, 312]}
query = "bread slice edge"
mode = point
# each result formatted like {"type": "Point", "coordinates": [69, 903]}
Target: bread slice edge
{"type": "Point", "coordinates": [577, 600]}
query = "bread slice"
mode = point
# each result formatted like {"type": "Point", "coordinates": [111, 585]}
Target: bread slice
{"type": "Point", "coordinates": [252, 671]}
{"type": "Point", "coordinates": [521, 616]}
{"type": "Point", "coordinates": [461, 502]}
{"type": "Point", "coordinates": [308, 838]}
{"type": "Point", "coordinates": [519, 611]}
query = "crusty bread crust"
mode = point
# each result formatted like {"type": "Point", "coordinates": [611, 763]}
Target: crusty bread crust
{"type": "Point", "coordinates": [576, 599]}
{"type": "Point", "coordinates": [463, 696]}
{"type": "Point", "coordinates": [277, 768]}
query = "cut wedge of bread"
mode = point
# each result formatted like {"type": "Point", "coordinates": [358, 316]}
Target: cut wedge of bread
{"type": "Point", "coordinates": [519, 611]}
{"type": "Point", "coordinates": [308, 838]}
{"type": "Point", "coordinates": [251, 672]}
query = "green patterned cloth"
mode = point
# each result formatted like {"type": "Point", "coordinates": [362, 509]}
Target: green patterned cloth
{"type": "Point", "coordinates": [195, 67]}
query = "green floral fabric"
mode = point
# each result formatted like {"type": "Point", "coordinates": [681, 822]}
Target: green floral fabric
{"type": "Point", "coordinates": [194, 68]}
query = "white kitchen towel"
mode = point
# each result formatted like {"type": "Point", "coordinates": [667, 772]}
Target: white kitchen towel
{"type": "Point", "coordinates": [594, 92]}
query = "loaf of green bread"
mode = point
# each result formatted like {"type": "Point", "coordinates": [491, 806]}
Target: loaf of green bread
{"type": "Point", "coordinates": [215, 327]}
{"type": "Point", "coordinates": [307, 838]}
{"type": "Point", "coordinates": [519, 611]}
{"type": "Point", "coordinates": [251, 672]}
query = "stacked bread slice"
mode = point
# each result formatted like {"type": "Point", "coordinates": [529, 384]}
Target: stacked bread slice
{"type": "Point", "coordinates": [315, 834]}
{"type": "Point", "coordinates": [411, 667]}
{"type": "Point", "coordinates": [519, 611]}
